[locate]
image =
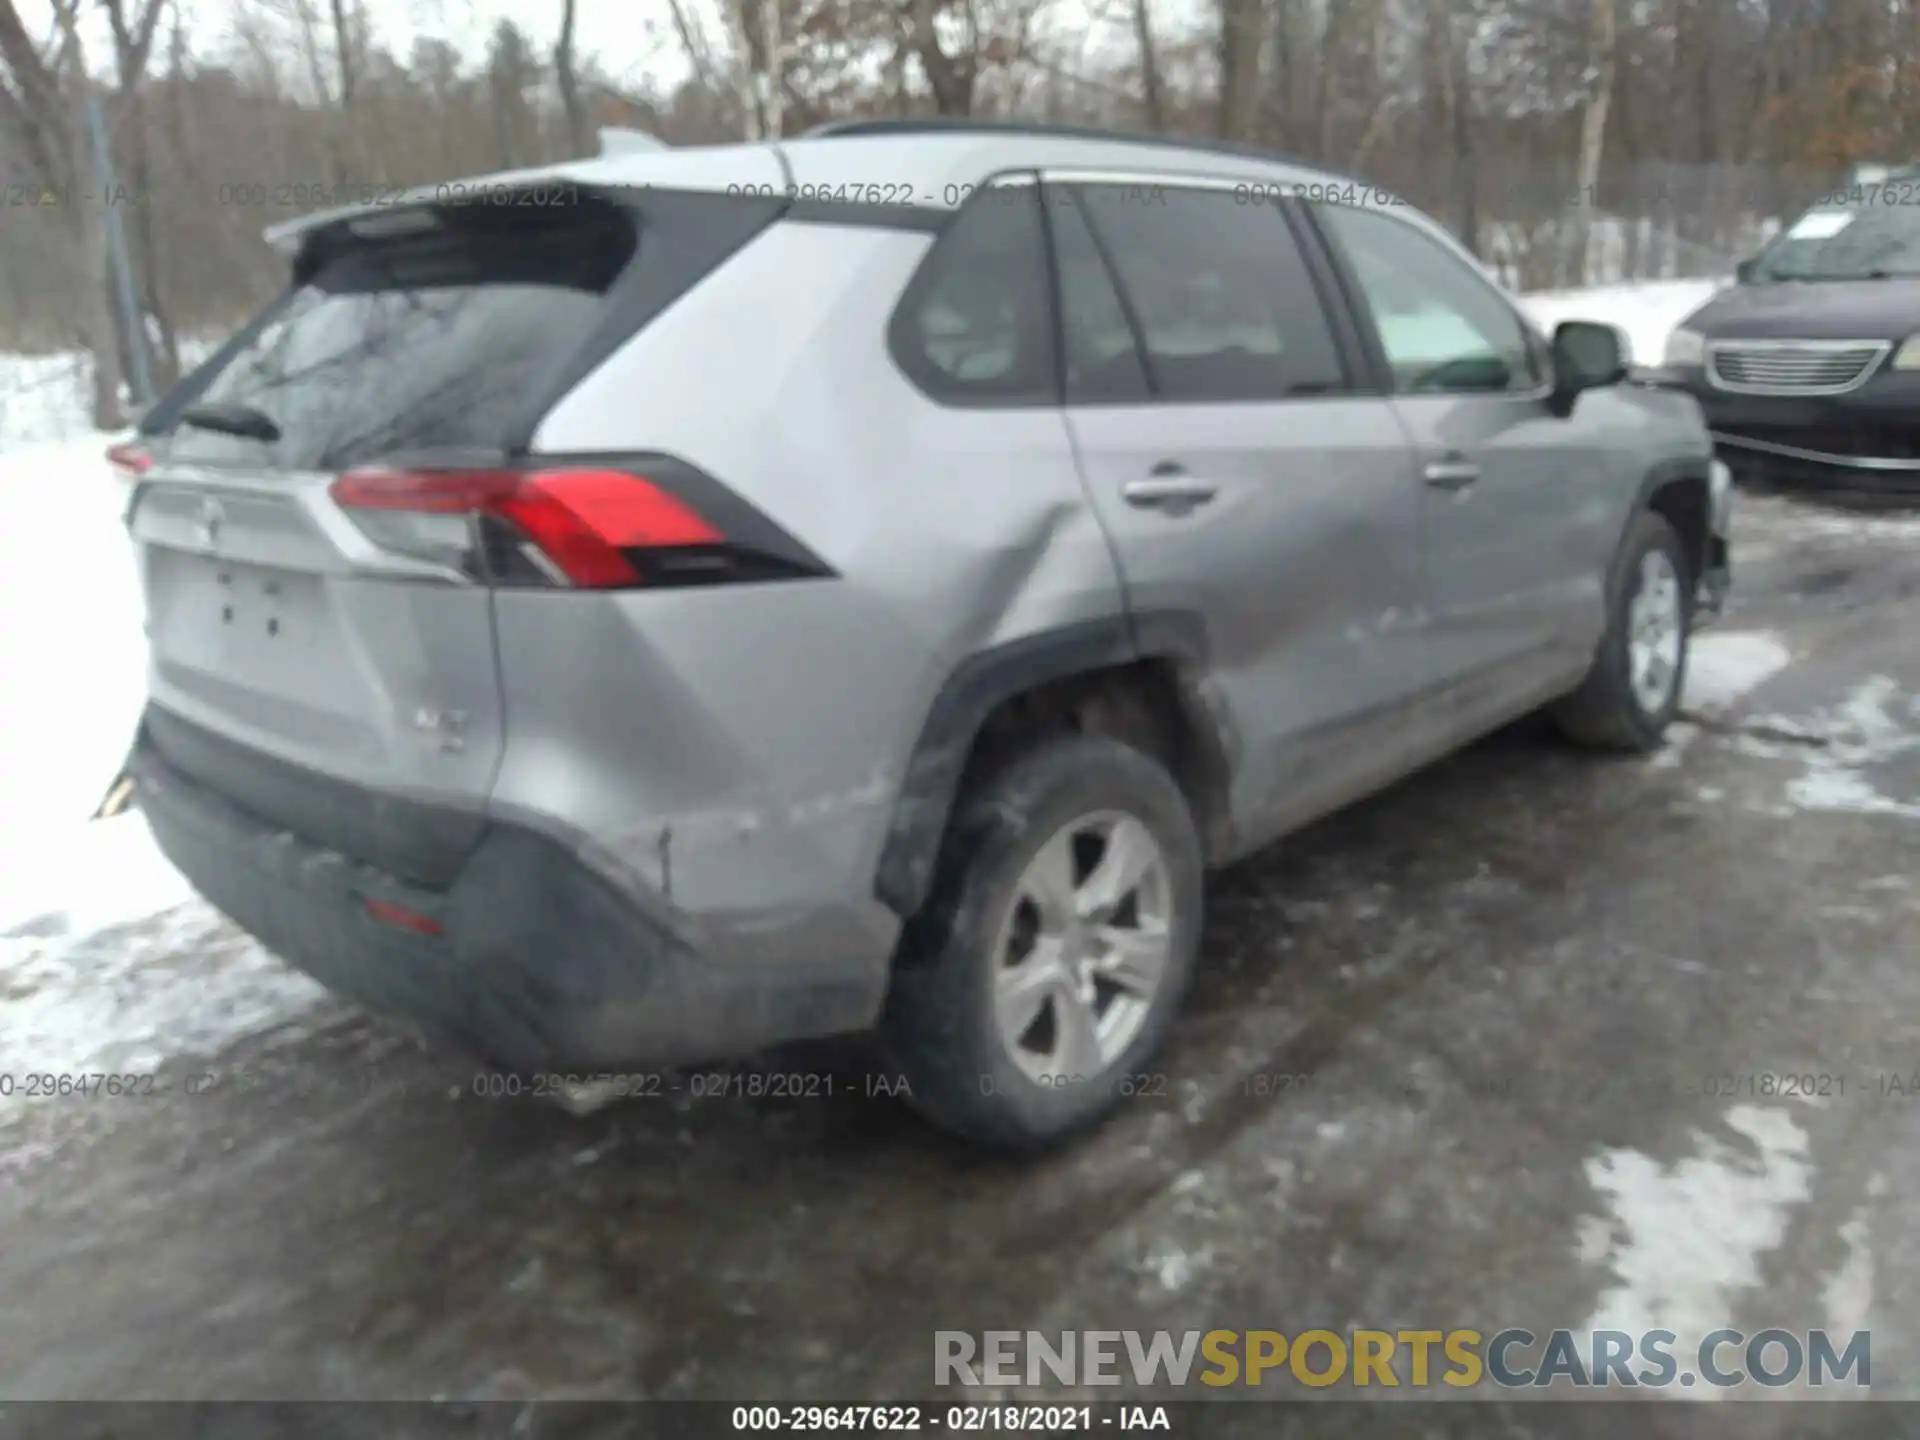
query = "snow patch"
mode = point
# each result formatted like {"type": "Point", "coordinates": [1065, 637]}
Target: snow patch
{"type": "Point", "coordinates": [125, 998]}
{"type": "Point", "coordinates": [108, 962]}
{"type": "Point", "coordinates": [1680, 736]}
{"type": "Point", "coordinates": [1686, 1239]}
{"type": "Point", "coordinates": [1848, 1292]}
{"type": "Point", "coordinates": [1871, 730]}
{"type": "Point", "coordinates": [43, 397]}
{"type": "Point", "coordinates": [1725, 666]}
{"type": "Point", "coordinates": [1176, 1269]}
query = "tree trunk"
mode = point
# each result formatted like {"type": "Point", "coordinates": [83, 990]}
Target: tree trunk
{"type": "Point", "coordinates": [950, 77]}
{"type": "Point", "coordinates": [88, 220]}
{"type": "Point", "coordinates": [745, 82]}
{"type": "Point", "coordinates": [344, 157]}
{"type": "Point", "coordinates": [1593, 139]}
{"type": "Point", "coordinates": [569, 81]}
{"type": "Point", "coordinates": [1327, 101]}
{"type": "Point", "coordinates": [1466, 162]}
{"type": "Point", "coordinates": [1149, 66]}
{"type": "Point", "coordinates": [1279, 101]}
{"type": "Point", "coordinates": [163, 365]}
{"type": "Point", "coordinates": [697, 56]}
{"type": "Point", "coordinates": [1242, 32]}
{"type": "Point", "coordinates": [775, 68]}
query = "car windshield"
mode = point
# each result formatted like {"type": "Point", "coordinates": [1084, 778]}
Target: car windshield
{"type": "Point", "coordinates": [1857, 242]}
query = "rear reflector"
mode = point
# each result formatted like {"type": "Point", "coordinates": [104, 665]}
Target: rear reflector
{"type": "Point", "coordinates": [130, 461]}
{"type": "Point", "coordinates": [582, 521]}
{"type": "Point", "coordinates": [403, 918]}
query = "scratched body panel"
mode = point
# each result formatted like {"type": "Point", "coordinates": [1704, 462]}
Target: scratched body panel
{"type": "Point", "coordinates": [765, 749]}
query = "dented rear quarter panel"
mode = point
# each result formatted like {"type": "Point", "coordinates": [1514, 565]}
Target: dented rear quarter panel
{"type": "Point", "coordinates": [740, 748]}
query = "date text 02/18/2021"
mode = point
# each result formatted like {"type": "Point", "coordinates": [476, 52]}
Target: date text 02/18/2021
{"type": "Point", "coordinates": [951, 1419]}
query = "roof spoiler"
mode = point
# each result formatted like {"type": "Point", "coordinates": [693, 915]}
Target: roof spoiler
{"type": "Point", "coordinates": [392, 215]}
{"type": "Point", "coordinates": [619, 140]}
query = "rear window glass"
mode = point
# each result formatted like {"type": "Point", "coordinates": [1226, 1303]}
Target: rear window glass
{"type": "Point", "coordinates": [431, 342]}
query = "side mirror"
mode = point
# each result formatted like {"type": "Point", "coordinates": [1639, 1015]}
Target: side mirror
{"type": "Point", "coordinates": [1747, 269]}
{"type": "Point", "coordinates": [1586, 356]}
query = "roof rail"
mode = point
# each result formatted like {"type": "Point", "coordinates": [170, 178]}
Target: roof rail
{"type": "Point", "coordinates": [963, 125]}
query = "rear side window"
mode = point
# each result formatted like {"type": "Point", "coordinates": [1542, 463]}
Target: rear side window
{"type": "Point", "coordinates": [1226, 307]}
{"type": "Point", "coordinates": [975, 324]}
{"type": "Point", "coordinates": [1102, 350]}
{"type": "Point", "coordinates": [428, 342]}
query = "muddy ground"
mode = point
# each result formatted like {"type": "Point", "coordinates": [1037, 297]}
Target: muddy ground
{"type": "Point", "coordinates": [1495, 1048]}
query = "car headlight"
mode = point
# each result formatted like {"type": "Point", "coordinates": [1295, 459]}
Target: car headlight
{"type": "Point", "coordinates": [1907, 357]}
{"type": "Point", "coordinates": [1688, 347]}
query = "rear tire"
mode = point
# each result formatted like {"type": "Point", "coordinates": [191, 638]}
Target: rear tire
{"type": "Point", "coordinates": [1633, 691]}
{"type": "Point", "coordinates": [1070, 890]}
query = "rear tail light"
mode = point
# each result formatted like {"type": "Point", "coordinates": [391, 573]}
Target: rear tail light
{"type": "Point", "coordinates": [129, 460]}
{"type": "Point", "coordinates": [583, 524]}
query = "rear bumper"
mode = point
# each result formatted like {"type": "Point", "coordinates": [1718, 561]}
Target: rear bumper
{"type": "Point", "coordinates": [540, 963]}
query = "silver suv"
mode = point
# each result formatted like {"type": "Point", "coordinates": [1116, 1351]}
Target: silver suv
{"type": "Point", "coordinates": [645, 610]}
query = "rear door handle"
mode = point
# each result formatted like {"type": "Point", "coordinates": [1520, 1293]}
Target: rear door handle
{"type": "Point", "coordinates": [1454, 472]}
{"type": "Point", "coordinates": [1169, 488]}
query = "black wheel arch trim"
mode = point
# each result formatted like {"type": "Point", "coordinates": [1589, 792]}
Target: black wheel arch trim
{"type": "Point", "coordinates": [978, 685]}
{"type": "Point", "coordinates": [1684, 469]}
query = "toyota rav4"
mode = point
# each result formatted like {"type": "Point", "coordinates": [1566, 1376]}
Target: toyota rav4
{"type": "Point", "coordinates": [673, 603]}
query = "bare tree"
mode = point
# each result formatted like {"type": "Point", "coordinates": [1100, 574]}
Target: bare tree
{"type": "Point", "coordinates": [747, 91]}
{"type": "Point", "coordinates": [1242, 31]}
{"type": "Point", "coordinates": [44, 113]}
{"type": "Point", "coordinates": [1593, 136]}
{"type": "Point", "coordinates": [511, 72]}
{"type": "Point", "coordinates": [88, 206]}
{"type": "Point", "coordinates": [1149, 66]}
{"type": "Point", "coordinates": [1513, 119]}
{"type": "Point", "coordinates": [134, 27]}
{"type": "Point", "coordinates": [775, 67]}
{"type": "Point", "coordinates": [569, 81]}
{"type": "Point", "coordinates": [951, 77]}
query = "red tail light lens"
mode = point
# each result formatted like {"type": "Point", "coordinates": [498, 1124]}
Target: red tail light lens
{"type": "Point", "coordinates": [403, 918]}
{"type": "Point", "coordinates": [129, 460]}
{"type": "Point", "coordinates": [586, 523]}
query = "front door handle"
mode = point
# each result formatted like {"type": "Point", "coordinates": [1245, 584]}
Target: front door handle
{"type": "Point", "coordinates": [1454, 472]}
{"type": "Point", "coordinates": [1169, 488]}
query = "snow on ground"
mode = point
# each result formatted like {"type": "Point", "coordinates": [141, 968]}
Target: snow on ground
{"type": "Point", "coordinates": [1683, 1240]}
{"type": "Point", "coordinates": [107, 959]}
{"type": "Point", "coordinates": [1858, 756]}
{"type": "Point", "coordinates": [43, 398]}
{"type": "Point", "coordinates": [1648, 313]}
{"type": "Point", "coordinates": [1723, 666]}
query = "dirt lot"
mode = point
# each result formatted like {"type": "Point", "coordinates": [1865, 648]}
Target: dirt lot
{"type": "Point", "coordinates": [1497, 1048]}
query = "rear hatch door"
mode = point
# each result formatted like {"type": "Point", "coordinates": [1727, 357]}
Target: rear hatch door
{"type": "Point", "coordinates": [344, 689]}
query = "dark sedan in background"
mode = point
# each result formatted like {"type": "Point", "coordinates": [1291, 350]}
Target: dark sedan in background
{"type": "Point", "coordinates": [1808, 369]}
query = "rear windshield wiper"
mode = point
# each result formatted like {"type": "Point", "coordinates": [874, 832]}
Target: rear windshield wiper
{"type": "Point", "coordinates": [242, 420]}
